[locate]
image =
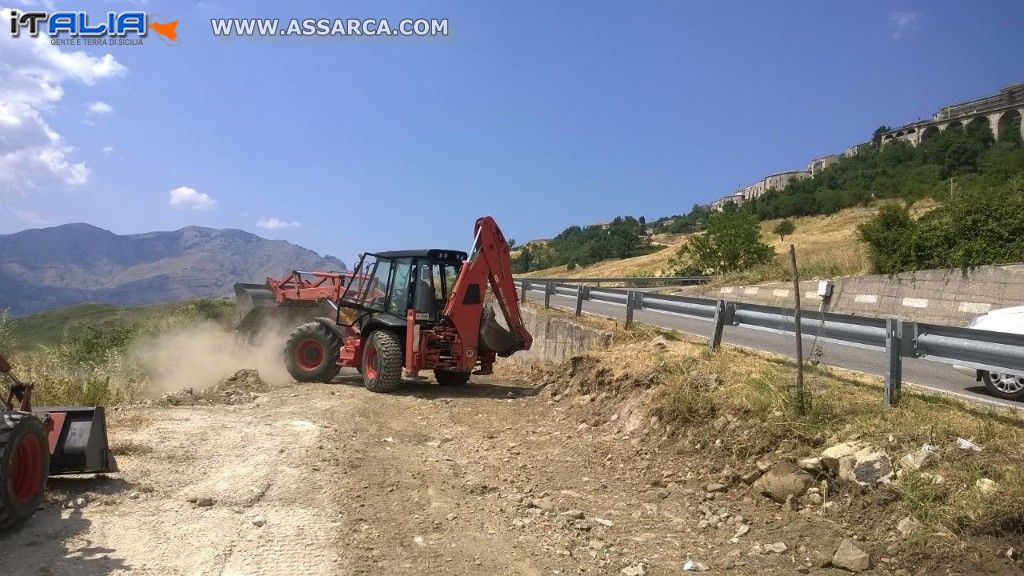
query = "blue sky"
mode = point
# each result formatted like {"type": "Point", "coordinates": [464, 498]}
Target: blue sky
{"type": "Point", "coordinates": [542, 114]}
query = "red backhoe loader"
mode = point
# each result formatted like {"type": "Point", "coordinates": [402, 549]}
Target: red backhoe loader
{"type": "Point", "coordinates": [36, 444]}
{"type": "Point", "coordinates": [408, 310]}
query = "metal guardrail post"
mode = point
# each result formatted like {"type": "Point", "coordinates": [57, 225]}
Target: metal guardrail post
{"type": "Point", "coordinates": [549, 289]}
{"type": "Point", "coordinates": [579, 300]}
{"type": "Point", "coordinates": [523, 287]}
{"type": "Point", "coordinates": [631, 301]}
{"type": "Point", "coordinates": [719, 324]}
{"type": "Point", "coordinates": [893, 361]}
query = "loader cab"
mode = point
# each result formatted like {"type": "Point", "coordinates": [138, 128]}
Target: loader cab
{"type": "Point", "coordinates": [391, 283]}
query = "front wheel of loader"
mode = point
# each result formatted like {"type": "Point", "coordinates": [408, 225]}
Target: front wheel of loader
{"type": "Point", "coordinates": [24, 466]}
{"type": "Point", "coordinates": [311, 353]}
{"type": "Point", "coordinates": [451, 377]}
{"type": "Point", "coordinates": [382, 362]}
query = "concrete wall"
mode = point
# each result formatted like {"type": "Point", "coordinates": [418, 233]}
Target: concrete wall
{"type": "Point", "coordinates": [556, 339]}
{"type": "Point", "coordinates": [935, 296]}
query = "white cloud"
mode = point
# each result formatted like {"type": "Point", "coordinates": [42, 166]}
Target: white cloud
{"type": "Point", "coordinates": [108, 149]}
{"type": "Point", "coordinates": [902, 23]}
{"type": "Point", "coordinates": [100, 108]}
{"type": "Point", "coordinates": [185, 197]}
{"type": "Point", "coordinates": [33, 74]}
{"type": "Point", "coordinates": [276, 223]}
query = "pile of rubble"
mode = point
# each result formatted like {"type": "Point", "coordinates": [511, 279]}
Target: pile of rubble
{"type": "Point", "coordinates": [241, 388]}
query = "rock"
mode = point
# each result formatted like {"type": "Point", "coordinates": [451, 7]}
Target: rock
{"type": "Point", "coordinates": [914, 461]}
{"type": "Point", "coordinates": [782, 480]}
{"type": "Point", "coordinates": [604, 522]}
{"type": "Point", "coordinates": [637, 569]}
{"type": "Point", "coordinates": [596, 544]}
{"type": "Point", "coordinates": [849, 557]}
{"type": "Point", "coordinates": [692, 566]}
{"type": "Point", "coordinates": [715, 487]}
{"type": "Point", "coordinates": [574, 514]}
{"type": "Point", "coordinates": [742, 530]}
{"type": "Point", "coordinates": [967, 445]}
{"type": "Point", "coordinates": [791, 503]}
{"type": "Point", "coordinates": [776, 548]}
{"type": "Point", "coordinates": [809, 464]}
{"type": "Point", "coordinates": [831, 456]}
{"type": "Point", "coordinates": [814, 499]}
{"type": "Point", "coordinates": [204, 502]}
{"type": "Point", "coordinates": [907, 526]}
{"type": "Point", "coordinates": [751, 476]}
{"type": "Point", "coordinates": [858, 462]}
{"type": "Point", "coordinates": [76, 503]}
{"type": "Point", "coordinates": [258, 521]}
{"type": "Point", "coordinates": [543, 503]}
{"type": "Point", "coordinates": [987, 486]}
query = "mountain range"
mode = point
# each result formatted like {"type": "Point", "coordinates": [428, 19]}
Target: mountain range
{"type": "Point", "coordinates": [47, 268]}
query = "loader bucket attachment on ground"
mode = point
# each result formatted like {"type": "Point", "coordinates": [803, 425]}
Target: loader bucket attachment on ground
{"type": "Point", "coordinates": [496, 337]}
{"type": "Point", "coordinates": [78, 440]}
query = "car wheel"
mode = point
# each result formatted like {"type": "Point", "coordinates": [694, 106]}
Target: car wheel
{"type": "Point", "coordinates": [1008, 386]}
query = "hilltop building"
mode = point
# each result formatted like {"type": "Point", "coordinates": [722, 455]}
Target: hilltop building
{"type": "Point", "coordinates": [1000, 112]}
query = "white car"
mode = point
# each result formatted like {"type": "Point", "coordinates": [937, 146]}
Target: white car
{"type": "Point", "coordinates": [1011, 321]}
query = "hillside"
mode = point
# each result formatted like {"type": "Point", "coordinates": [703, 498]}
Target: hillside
{"type": "Point", "coordinates": [826, 246]}
{"type": "Point", "coordinates": [49, 268]}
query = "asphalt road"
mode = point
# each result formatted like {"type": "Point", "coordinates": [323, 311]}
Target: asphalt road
{"type": "Point", "coordinates": [933, 376]}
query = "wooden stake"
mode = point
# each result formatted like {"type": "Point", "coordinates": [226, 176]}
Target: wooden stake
{"type": "Point", "coordinates": [801, 406]}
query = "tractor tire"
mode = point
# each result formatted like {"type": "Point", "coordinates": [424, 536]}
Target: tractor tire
{"type": "Point", "coordinates": [311, 353]}
{"type": "Point", "coordinates": [451, 377]}
{"type": "Point", "coordinates": [24, 467]}
{"type": "Point", "coordinates": [382, 362]}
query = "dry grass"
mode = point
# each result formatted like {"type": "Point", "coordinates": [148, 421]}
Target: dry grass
{"type": "Point", "coordinates": [827, 246]}
{"type": "Point", "coordinates": [694, 387]}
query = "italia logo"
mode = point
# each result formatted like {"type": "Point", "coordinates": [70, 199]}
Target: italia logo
{"type": "Point", "coordinates": [80, 25]}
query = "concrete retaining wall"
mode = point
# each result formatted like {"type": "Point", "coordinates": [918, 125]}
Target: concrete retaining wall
{"type": "Point", "coordinates": [935, 296]}
{"type": "Point", "coordinates": [556, 339]}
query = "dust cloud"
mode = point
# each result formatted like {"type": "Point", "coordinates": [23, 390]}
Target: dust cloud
{"type": "Point", "coordinates": [200, 356]}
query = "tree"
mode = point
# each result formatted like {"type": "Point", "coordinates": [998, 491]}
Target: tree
{"type": "Point", "coordinates": [784, 228]}
{"type": "Point", "coordinates": [732, 242]}
{"type": "Point", "coordinates": [876, 137]}
{"type": "Point", "coordinates": [511, 243]}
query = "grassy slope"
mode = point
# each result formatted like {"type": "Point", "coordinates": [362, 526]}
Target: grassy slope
{"type": "Point", "coordinates": [826, 245]}
{"type": "Point", "coordinates": [47, 328]}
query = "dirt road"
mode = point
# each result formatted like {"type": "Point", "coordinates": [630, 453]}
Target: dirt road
{"type": "Point", "coordinates": [493, 478]}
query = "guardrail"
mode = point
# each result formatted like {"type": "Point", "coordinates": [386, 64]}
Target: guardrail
{"type": "Point", "coordinates": [631, 281]}
{"type": "Point", "coordinates": [897, 338]}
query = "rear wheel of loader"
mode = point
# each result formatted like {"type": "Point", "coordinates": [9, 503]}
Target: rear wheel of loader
{"type": "Point", "coordinates": [24, 466]}
{"type": "Point", "coordinates": [382, 362]}
{"type": "Point", "coordinates": [451, 377]}
{"type": "Point", "coordinates": [311, 353]}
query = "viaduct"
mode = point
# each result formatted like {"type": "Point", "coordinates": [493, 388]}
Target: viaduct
{"type": "Point", "coordinates": [1001, 113]}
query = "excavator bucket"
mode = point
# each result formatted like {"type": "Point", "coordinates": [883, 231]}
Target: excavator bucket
{"type": "Point", "coordinates": [496, 337]}
{"type": "Point", "coordinates": [78, 440]}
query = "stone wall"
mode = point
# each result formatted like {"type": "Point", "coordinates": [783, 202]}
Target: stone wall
{"type": "Point", "coordinates": [556, 339]}
{"type": "Point", "coordinates": [935, 296]}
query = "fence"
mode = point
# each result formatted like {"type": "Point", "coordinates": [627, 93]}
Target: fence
{"type": "Point", "coordinates": [896, 338]}
{"type": "Point", "coordinates": [632, 281]}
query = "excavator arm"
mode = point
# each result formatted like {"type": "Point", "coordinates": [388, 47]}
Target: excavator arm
{"type": "Point", "coordinates": [489, 265]}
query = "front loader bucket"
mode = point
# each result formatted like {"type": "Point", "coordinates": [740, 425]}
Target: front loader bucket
{"type": "Point", "coordinates": [253, 303]}
{"type": "Point", "coordinates": [78, 440]}
{"type": "Point", "coordinates": [496, 337]}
